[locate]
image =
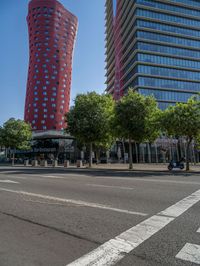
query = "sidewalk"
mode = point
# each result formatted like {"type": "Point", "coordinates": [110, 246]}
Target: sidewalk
{"type": "Point", "coordinates": [141, 167]}
{"type": "Point", "coordinates": [151, 167]}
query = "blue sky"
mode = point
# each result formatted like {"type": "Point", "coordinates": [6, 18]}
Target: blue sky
{"type": "Point", "coordinates": [88, 66]}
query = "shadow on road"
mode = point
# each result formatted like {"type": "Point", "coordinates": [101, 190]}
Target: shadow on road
{"type": "Point", "coordinates": [95, 172]}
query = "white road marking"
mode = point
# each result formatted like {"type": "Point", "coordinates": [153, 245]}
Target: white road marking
{"type": "Point", "coordinates": [115, 249]}
{"type": "Point", "coordinates": [76, 202]}
{"type": "Point", "coordinates": [182, 206]}
{"type": "Point", "coordinates": [198, 231]}
{"type": "Point", "coordinates": [190, 252]}
{"type": "Point", "coordinates": [150, 180]}
{"type": "Point", "coordinates": [104, 186]}
{"type": "Point", "coordinates": [47, 176]}
{"type": "Point", "coordinates": [9, 182]}
{"type": "Point", "coordinates": [53, 176]}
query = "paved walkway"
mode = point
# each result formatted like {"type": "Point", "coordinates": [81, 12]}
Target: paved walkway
{"type": "Point", "coordinates": [120, 166]}
{"type": "Point", "coordinates": [142, 167]}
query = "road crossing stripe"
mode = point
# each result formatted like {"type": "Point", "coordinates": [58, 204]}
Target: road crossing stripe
{"type": "Point", "coordinates": [115, 249]}
{"type": "Point", "coordinates": [182, 206]}
{"type": "Point", "coordinates": [190, 252]}
{"type": "Point", "coordinates": [72, 201]}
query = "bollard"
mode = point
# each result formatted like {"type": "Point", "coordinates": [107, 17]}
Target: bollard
{"type": "Point", "coordinates": [43, 163]}
{"type": "Point", "coordinates": [66, 163]}
{"type": "Point", "coordinates": [79, 163]}
{"type": "Point", "coordinates": [55, 163]}
{"type": "Point", "coordinates": [26, 163]}
{"type": "Point", "coordinates": [34, 163]}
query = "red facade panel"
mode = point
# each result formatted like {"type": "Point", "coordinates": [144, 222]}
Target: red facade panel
{"type": "Point", "coordinates": [52, 33]}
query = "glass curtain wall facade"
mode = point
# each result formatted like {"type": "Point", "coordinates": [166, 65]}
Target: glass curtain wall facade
{"type": "Point", "coordinates": [153, 46]}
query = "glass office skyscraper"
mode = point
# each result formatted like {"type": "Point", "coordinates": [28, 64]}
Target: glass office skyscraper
{"type": "Point", "coordinates": [153, 46]}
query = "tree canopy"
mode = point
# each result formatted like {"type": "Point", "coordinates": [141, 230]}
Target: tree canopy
{"type": "Point", "coordinates": [135, 119]}
{"type": "Point", "coordinates": [89, 120]}
{"type": "Point", "coordinates": [15, 134]}
{"type": "Point", "coordinates": [183, 119]}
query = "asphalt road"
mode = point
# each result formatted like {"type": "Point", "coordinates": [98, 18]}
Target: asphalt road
{"type": "Point", "coordinates": [59, 217]}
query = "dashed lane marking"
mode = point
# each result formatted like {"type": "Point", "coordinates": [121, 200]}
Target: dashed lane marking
{"type": "Point", "coordinates": [150, 180]}
{"type": "Point", "coordinates": [9, 181]}
{"type": "Point", "coordinates": [190, 252]}
{"type": "Point", "coordinates": [104, 186]}
{"type": "Point", "coordinates": [115, 249]}
{"type": "Point", "coordinates": [72, 201]}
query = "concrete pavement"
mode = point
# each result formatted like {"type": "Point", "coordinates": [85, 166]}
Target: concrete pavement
{"type": "Point", "coordinates": [57, 216]}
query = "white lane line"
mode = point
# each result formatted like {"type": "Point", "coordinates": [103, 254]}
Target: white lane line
{"type": "Point", "coordinates": [115, 249]}
{"type": "Point", "coordinates": [198, 231]}
{"type": "Point", "coordinates": [182, 206]}
{"type": "Point", "coordinates": [53, 176]}
{"type": "Point", "coordinates": [9, 182]}
{"type": "Point", "coordinates": [76, 202]}
{"type": "Point", "coordinates": [150, 180]}
{"type": "Point", "coordinates": [190, 252]}
{"type": "Point", "coordinates": [104, 186]}
{"type": "Point", "coordinates": [47, 176]}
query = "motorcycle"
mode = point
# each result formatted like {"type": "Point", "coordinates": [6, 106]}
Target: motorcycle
{"type": "Point", "coordinates": [173, 164]}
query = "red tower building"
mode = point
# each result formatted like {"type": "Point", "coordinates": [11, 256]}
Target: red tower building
{"type": "Point", "coordinates": [52, 33]}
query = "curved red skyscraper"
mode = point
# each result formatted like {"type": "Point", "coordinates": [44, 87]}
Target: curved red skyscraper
{"type": "Point", "coordinates": [52, 33]}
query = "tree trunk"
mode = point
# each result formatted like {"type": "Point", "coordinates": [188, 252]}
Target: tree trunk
{"type": "Point", "coordinates": [13, 159]}
{"type": "Point", "coordinates": [97, 156]}
{"type": "Point", "coordinates": [123, 146]}
{"type": "Point", "coordinates": [130, 155]}
{"type": "Point", "coordinates": [187, 154]}
{"type": "Point", "coordinates": [90, 158]}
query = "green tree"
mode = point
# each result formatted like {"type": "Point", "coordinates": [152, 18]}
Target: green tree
{"type": "Point", "coordinates": [183, 119]}
{"type": "Point", "coordinates": [15, 134]}
{"type": "Point", "coordinates": [135, 119]}
{"type": "Point", "coordinates": [89, 120]}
